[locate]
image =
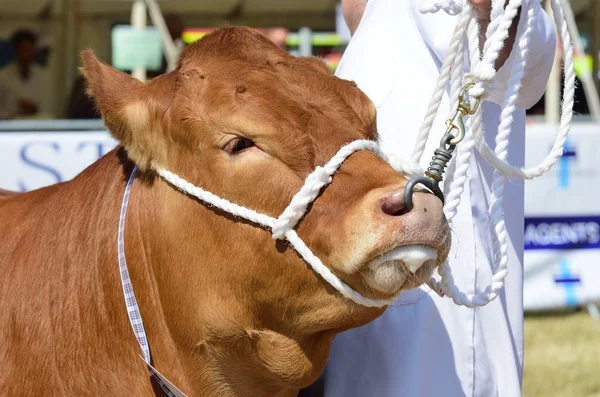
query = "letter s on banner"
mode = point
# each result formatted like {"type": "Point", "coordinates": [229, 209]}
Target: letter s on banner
{"type": "Point", "coordinates": [25, 157]}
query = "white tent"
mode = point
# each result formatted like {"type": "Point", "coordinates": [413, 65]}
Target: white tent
{"type": "Point", "coordinates": [70, 26]}
{"type": "Point", "coordinates": [73, 25]}
{"type": "Point", "coordinates": [223, 8]}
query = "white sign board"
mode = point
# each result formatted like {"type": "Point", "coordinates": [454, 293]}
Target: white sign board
{"type": "Point", "coordinates": [136, 47]}
{"type": "Point", "coordinates": [30, 160]}
{"type": "Point", "coordinates": [562, 221]}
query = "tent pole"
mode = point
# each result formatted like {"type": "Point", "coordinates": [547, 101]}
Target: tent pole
{"type": "Point", "coordinates": [138, 20]}
{"type": "Point", "coordinates": [70, 52]}
{"type": "Point", "coordinates": [587, 76]}
{"type": "Point", "coordinates": [595, 18]}
{"type": "Point", "coordinates": [305, 42]}
{"type": "Point", "coordinates": [169, 48]}
{"type": "Point", "coordinates": [552, 96]}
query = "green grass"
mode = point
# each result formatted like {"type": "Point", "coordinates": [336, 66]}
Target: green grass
{"type": "Point", "coordinates": [562, 355]}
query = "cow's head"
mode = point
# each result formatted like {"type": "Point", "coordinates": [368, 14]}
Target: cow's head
{"type": "Point", "coordinates": [248, 122]}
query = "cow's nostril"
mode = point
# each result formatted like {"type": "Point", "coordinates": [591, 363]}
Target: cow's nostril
{"type": "Point", "coordinates": [393, 203]}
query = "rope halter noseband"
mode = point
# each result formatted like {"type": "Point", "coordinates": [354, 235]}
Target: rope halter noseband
{"type": "Point", "coordinates": [283, 226]}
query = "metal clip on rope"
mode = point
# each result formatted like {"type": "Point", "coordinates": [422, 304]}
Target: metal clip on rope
{"type": "Point", "coordinates": [443, 154]}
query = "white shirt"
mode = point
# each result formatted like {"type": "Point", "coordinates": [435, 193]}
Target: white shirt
{"type": "Point", "coordinates": [13, 88]}
{"type": "Point", "coordinates": [425, 345]}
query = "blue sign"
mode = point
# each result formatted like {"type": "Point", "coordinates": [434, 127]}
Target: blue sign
{"type": "Point", "coordinates": [573, 232]}
{"type": "Point", "coordinates": [564, 165]}
{"type": "Point", "coordinates": [569, 281]}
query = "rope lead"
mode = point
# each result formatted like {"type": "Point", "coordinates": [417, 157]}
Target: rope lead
{"type": "Point", "coordinates": [443, 154]}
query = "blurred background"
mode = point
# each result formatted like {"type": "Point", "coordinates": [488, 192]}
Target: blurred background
{"type": "Point", "coordinates": [50, 131]}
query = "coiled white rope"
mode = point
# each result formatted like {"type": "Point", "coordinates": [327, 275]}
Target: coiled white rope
{"type": "Point", "coordinates": [450, 6]}
{"type": "Point", "coordinates": [283, 226]}
{"type": "Point", "coordinates": [482, 74]}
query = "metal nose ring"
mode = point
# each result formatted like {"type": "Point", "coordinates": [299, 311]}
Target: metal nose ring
{"type": "Point", "coordinates": [423, 180]}
{"type": "Point", "coordinates": [434, 174]}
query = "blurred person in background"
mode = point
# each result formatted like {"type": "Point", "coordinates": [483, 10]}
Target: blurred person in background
{"type": "Point", "coordinates": [278, 36]}
{"type": "Point", "coordinates": [424, 345]}
{"type": "Point", "coordinates": [23, 83]}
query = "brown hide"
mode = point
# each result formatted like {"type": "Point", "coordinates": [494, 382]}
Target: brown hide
{"type": "Point", "coordinates": [228, 310]}
{"type": "Point", "coordinates": [7, 192]}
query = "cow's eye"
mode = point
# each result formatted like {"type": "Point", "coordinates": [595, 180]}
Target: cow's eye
{"type": "Point", "coordinates": [238, 145]}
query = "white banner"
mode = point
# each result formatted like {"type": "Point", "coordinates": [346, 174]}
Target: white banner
{"type": "Point", "coordinates": [562, 221]}
{"type": "Point", "coordinates": [30, 160]}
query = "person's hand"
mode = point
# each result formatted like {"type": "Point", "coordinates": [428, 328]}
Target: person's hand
{"type": "Point", "coordinates": [27, 107]}
{"type": "Point", "coordinates": [483, 8]}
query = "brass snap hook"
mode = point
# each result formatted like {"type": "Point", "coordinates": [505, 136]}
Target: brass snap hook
{"type": "Point", "coordinates": [464, 108]}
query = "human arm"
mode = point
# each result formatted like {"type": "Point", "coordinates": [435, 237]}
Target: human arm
{"type": "Point", "coordinates": [353, 11]}
{"type": "Point", "coordinates": [44, 93]}
{"type": "Point", "coordinates": [7, 101]}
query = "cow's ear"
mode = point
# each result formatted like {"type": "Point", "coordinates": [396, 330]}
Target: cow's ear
{"type": "Point", "coordinates": [136, 113]}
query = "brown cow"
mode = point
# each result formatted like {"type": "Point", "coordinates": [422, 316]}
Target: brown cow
{"type": "Point", "coordinates": [228, 310]}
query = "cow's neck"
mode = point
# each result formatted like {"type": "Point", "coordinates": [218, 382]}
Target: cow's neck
{"type": "Point", "coordinates": [208, 337]}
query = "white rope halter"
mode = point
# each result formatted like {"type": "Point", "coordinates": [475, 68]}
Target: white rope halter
{"type": "Point", "coordinates": [283, 226]}
{"type": "Point", "coordinates": [482, 74]}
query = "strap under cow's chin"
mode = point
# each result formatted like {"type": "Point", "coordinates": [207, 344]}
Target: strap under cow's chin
{"type": "Point", "coordinates": [283, 226]}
